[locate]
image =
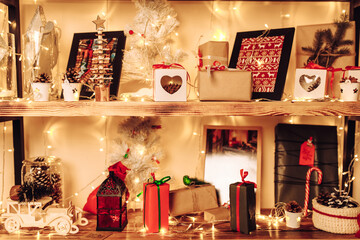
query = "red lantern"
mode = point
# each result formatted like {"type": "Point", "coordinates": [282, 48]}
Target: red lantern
{"type": "Point", "coordinates": [111, 204]}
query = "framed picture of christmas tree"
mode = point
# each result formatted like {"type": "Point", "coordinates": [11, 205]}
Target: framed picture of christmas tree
{"type": "Point", "coordinates": [266, 54]}
{"type": "Point", "coordinates": [83, 60]}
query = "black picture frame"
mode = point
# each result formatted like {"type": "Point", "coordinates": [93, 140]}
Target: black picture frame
{"type": "Point", "coordinates": [116, 63]}
{"type": "Point", "coordinates": [288, 34]}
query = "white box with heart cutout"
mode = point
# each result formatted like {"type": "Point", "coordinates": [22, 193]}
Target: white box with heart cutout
{"type": "Point", "coordinates": [310, 83]}
{"type": "Point", "coordinates": [170, 85]}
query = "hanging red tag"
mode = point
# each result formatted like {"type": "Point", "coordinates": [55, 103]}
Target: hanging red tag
{"type": "Point", "coordinates": [307, 153]}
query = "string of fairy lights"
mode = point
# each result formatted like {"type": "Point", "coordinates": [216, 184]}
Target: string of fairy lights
{"type": "Point", "coordinates": [274, 218]}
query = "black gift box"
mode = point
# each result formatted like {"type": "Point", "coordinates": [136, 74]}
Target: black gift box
{"type": "Point", "coordinates": [290, 177]}
{"type": "Point", "coordinates": [246, 209]}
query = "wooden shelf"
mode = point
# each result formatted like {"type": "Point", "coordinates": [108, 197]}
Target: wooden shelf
{"type": "Point", "coordinates": [118, 108]}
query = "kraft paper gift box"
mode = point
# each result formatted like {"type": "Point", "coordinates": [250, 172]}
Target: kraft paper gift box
{"type": "Point", "coordinates": [305, 38]}
{"type": "Point", "coordinates": [170, 85]}
{"type": "Point", "coordinates": [192, 199]}
{"type": "Point", "coordinates": [156, 197]}
{"type": "Point", "coordinates": [310, 83]}
{"type": "Point", "coordinates": [212, 51]}
{"type": "Point", "coordinates": [217, 214]}
{"type": "Point", "coordinates": [227, 85]}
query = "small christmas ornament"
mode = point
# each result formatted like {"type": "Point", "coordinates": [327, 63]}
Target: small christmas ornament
{"type": "Point", "coordinates": [14, 192]}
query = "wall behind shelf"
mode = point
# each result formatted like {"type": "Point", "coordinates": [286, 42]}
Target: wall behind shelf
{"type": "Point", "coordinates": [76, 140]}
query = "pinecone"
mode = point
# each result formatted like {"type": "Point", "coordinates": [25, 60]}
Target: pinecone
{"type": "Point", "coordinates": [30, 192]}
{"type": "Point", "coordinates": [293, 207]}
{"type": "Point", "coordinates": [42, 78]}
{"type": "Point", "coordinates": [72, 76]}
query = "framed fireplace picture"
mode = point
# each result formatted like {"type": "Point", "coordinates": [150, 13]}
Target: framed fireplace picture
{"type": "Point", "coordinates": [266, 54]}
{"type": "Point", "coordinates": [81, 57]}
{"type": "Point", "coordinates": [229, 149]}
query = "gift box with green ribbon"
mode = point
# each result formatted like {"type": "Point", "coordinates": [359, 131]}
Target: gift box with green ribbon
{"type": "Point", "coordinates": [156, 205]}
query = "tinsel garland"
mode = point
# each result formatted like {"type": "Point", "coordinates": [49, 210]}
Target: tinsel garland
{"type": "Point", "coordinates": [139, 139]}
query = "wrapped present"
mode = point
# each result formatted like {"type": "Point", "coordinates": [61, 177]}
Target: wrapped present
{"type": "Point", "coordinates": [227, 85]}
{"type": "Point", "coordinates": [242, 205]}
{"type": "Point", "coordinates": [192, 199]}
{"type": "Point", "coordinates": [305, 50]}
{"type": "Point", "coordinates": [290, 176]}
{"type": "Point", "coordinates": [156, 205]}
{"type": "Point", "coordinates": [170, 82]}
{"type": "Point", "coordinates": [217, 214]}
{"type": "Point", "coordinates": [213, 51]}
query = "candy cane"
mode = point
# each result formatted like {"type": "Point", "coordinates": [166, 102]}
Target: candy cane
{"type": "Point", "coordinates": [307, 187]}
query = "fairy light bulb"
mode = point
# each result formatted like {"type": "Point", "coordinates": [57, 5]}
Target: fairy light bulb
{"type": "Point", "coordinates": [76, 194]}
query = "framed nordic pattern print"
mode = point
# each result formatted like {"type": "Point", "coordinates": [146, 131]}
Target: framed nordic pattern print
{"type": "Point", "coordinates": [266, 54]}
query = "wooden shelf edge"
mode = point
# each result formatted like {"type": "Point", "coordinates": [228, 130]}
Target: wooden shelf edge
{"type": "Point", "coordinates": [118, 108]}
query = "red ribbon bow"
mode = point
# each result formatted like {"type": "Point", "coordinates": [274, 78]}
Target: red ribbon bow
{"type": "Point", "coordinates": [216, 66]}
{"type": "Point", "coordinates": [347, 68]}
{"type": "Point", "coordinates": [312, 65]}
{"type": "Point", "coordinates": [243, 175]}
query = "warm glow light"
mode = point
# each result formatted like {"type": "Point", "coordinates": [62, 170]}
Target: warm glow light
{"type": "Point", "coordinates": [356, 155]}
{"type": "Point", "coordinates": [339, 116]}
{"type": "Point", "coordinates": [4, 128]}
{"type": "Point", "coordinates": [162, 231]}
{"type": "Point", "coordinates": [267, 26]}
{"type": "Point", "coordinates": [341, 128]}
{"type": "Point", "coordinates": [353, 178]}
{"type": "Point", "coordinates": [103, 116]}
{"type": "Point", "coordinates": [49, 146]}
{"type": "Point", "coordinates": [92, 187]}
{"type": "Point", "coordinates": [103, 173]}
{"type": "Point", "coordinates": [234, 8]}
{"type": "Point", "coordinates": [344, 11]}
{"type": "Point", "coordinates": [356, 159]}
{"type": "Point", "coordinates": [10, 150]}
{"type": "Point", "coordinates": [168, 16]}
{"type": "Point", "coordinates": [203, 152]}
{"type": "Point", "coordinates": [48, 132]}
{"type": "Point", "coordinates": [76, 194]}
{"type": "Point", "coordinates": [137, 199]}
{"type": "Point", "coordinates": [103, 13]}
{"type": "Point", "coordinates": [298, 219]}
{"type": "Point", "coordinates": [137, 180]}
{"type": "Point", "coordinates": [195, 133]}
{"type": "Point", "coordinates": [126, 99]}
{"type": "Point", "coordinates": [101, 149]}
{"type": "Point", "coordinates": [101, 139]}
{"type": "Point", "coordinates": [142, 100]}
{"type": "Point", "coordinates": [291, 121]}
{"type": "Point", "coordinates": [176, 34]}
{"type": "Point", "coordinates": [216, 9]}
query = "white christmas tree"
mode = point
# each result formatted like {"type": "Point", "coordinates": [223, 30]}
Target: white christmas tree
{"type": "Point", "coordinates": [138, 148]}
{"type": "Point", "coordinates": [150, 40]}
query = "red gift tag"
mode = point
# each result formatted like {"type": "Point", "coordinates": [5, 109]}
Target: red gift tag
{"type": "Point", "coordinates": [307, 153]}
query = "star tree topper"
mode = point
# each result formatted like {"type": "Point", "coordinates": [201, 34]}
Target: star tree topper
{"type": "Point", "coordinates": [99, 23]}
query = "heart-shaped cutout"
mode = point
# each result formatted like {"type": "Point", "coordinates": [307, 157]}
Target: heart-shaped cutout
{"type": "Point", "coordinates": [171, 84]}
{"type": "Point", "coordinates": [309, 83]}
